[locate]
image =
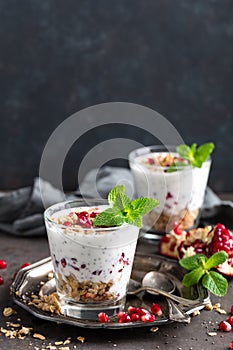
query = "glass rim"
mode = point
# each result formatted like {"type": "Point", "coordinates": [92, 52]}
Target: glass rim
{"type": "Point", "coordinates": [160, 149]}
{"type": "Point", "coordinates": [77, 229]}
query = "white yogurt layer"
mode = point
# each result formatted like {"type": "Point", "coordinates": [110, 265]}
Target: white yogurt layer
{"type": "Point", "coordinates": [182, 189]}
{"type": "Point", "coordinates": [99, 256]}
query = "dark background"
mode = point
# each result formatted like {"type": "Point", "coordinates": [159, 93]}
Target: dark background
{"type": "Point", "coordinates": [58, 57]}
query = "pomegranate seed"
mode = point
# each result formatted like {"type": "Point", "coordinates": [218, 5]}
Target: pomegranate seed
{"type": "Point", "coordinates": [165, 239]}
{"type": "Point", "coordinates": [220, 227]}
{"type": "Point", "coordinates": [134, 317]}
{"type": "Point", "coordinates": [93, 214]}
{"type": "Point", "coordinates": [124, 318]}
{"type": "Point", "coordinates": [230, 320]}
{"type": "Point", "coordinates": [232, 310]}
{"type": "Point", "coordinates": [3, 264]}
{"type": "Point", "coordinates": [224, 326]}
{"type": "Point", "coordinates": [169, 195]}
{"type": "Point", "coordinates": [231, 345]}
{"type": "Point", "coordinates": [132, 310]}
{"type": "Point", "coordinates": [63, 262]}
{"type": "Point", "coordinates": [25, 265]}
{"type": "Point", "coordinates": [151, 161]}
{"type": "Point", "coordinates": [148, 318]}
{"type": "Point", "coordinates": [67, 223]}
{"type": "Point", "coordinates": [83, 219]}
{"type": "Point", "coordinates": [176, 229]}
{"type": "Point", "coordinates": [1, 280]}
{"type": "Point", "coordinates": [103, 317]}
{"type": "Point", "coordinates": [156, 309]}
{"type": "Point", "coordinates": [141, 311]}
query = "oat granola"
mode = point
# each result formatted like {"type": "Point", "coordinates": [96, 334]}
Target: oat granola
{"type": "Point", "coordinates": [87, 291]}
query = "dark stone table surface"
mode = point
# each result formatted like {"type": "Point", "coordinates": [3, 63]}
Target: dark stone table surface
{"type": "Point", "coordinates": [17, 251]}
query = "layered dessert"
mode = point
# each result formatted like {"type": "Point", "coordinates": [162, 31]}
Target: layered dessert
{"type": "Point", "coordinates": [178, 186]}
{"type": "Point", "coordinates": [92, 264]}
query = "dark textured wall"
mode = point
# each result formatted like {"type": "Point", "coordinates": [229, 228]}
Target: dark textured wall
{"type": "Point", "coordinates": [57, 57]}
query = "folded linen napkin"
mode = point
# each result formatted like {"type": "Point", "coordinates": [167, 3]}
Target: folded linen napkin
{"type": "Point", "coordinates": [21, 211]}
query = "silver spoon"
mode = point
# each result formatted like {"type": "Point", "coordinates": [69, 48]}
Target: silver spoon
{"type": "Point", "coordinates": [155, 282]}
{"type": "Point", "coordinates": [155, 278]}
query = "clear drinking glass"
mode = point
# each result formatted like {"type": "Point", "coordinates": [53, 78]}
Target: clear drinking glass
{"type": "Point", "coordinates": [92, 265]}
{"type": "Point", "coordinates": [180, 193]}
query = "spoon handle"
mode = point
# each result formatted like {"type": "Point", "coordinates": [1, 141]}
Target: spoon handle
{"type": "Point", "coordinates": [180, 300]}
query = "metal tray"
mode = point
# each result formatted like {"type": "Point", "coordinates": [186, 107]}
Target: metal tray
{"type": "Point", "coordinates": [28, 281]}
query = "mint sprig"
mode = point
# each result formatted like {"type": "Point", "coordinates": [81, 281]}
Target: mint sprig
{"type": "Point", "coordinates": [124, 210]}
{"type": "Point", "coordinates": [200, 270]}
{"type": "Point", "coordinates": [195, 156]}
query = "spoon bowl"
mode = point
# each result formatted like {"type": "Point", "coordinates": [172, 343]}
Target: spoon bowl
{"type": "Point", "coordinates": [158, 280]}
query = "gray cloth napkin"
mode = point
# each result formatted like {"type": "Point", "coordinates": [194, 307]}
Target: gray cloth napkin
{"type": "Point", "coordinates": [21, 211]}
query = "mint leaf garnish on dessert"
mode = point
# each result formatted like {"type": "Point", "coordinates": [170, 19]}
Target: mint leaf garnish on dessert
{"type": "Point", "coordinates": [200, 269]}
{"type": "Point", "coordinates": [124, 210]}
{"type": "Point", "coordinates": [195, 156]}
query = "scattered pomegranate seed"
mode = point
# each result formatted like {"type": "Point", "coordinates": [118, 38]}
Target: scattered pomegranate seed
{"type": "Point", "coordinates": [3, 264]}
{"type": "Point", "coordinates": [148, 318]}
{"type": "Point", "coordinates": [231, 345]}
{"type": "Point", "coordinates": [133, 310]}
{"type": "Point", "coordinates": [232, 310]}
{"type": "Point", "coordinates": [135, 317]}
{"type": "Point", "coordinates": [230, 320]}
{"type": "Point", "coordinates": [224, 326]}
{"type": "Point", "coordinates": [1, 280]}
{"type": "Point", "coordinates": [141, 311]}
{"type": "Point", "coordinates": [25, 265]}
{"type": "Point", "coordinates": [103, 317]}
{"type": "Point", "coordinates": [124, 318]}
{"type": "Point", "coordinates": [156, 309]}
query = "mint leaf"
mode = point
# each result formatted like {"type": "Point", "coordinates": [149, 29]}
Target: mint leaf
{"type": "Point", "coordinates": [109, 217]}
{"type": "Point", "coordinates": [196, 156]}
{"type": "Point", "coordinates": [137, 221]}
{"type": "Point", "coordinates": [184, 151]}
{"type": "Point", "coordinates": [193, 262]}
{"type": "Point", "coordinates": [117, 197]}
{"type": "Point", "coordinates": [202, 153]}
{"type": "Point", "coordinates": [124, 210]}
{"type": "Point", "coordinates": [216, 259]}
{"type": "Point", "coordinates": [134, 211]}
{"type": "Point", "coordinates": [193, 277]}
{"type": "Point", "coordinates": [140, 206]}
{"type": "Point", "coordinates": [216, 283]}
{"type": "Point", "coordinates": [176, 167]}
